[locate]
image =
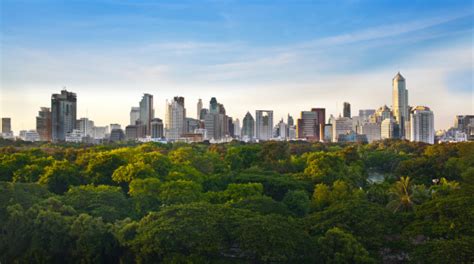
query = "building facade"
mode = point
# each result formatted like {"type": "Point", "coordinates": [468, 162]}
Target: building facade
{"type": "Point", "coordinates": [400, 106]}
{"type": "Point", "coordinates": [263, 124]}
{"type": "Point", "coordinates": [43, 124]}
{"type": "Point", "coordinates": [63, 114]}
{"type": "Point", "coordinates": [422, 125]}
{"type": "Point", "coordinates": [248, 127]}
{"type": "Point", "coordinates": [175, 118]}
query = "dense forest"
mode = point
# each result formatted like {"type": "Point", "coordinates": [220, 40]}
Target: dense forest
{"type": "Point", "coordinates": [273, 202]}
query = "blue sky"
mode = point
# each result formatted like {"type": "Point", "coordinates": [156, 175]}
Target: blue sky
{"type": "Point", "coordinates": [287, 56]}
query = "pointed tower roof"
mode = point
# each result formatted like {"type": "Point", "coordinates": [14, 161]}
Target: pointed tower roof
{"type": "Point", "coordinates": [398, 77]}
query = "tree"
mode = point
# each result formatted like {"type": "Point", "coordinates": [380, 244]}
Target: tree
{"type": "Point", "coordinates": [240, 191]}
{"type": "Point", "coordinates": [131, 171]}
{"type": "Point", "coordinates": [101, 166]}
{"type": "Point", "coordinates": [297, 201]}
{"type": "Point", "coordinates": [325, 167]}
{"type": "Point", "coordinates": [401, 193]}
{"type": "Point", "coordinates": [59, 176]}
{"type": "Point", "coordinates": [179, 192]}
{"type": "Point", "coordinates": [93, 240]}
{"type": "Point", "coordinates": [107, 202]}
{"type": "Point", "coordinates": [145, 194]}
{"type": "Point", "coordinates": [338, 246]}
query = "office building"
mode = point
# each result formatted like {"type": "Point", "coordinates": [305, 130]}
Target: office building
{"type": "Point", "coordinates": [115, 126]}
{"type": "Point", "coordinates": [134, 115]}
{"type": "Point", "coordinates": [191, 124]}
{"type": "Point", "coordinates": [134, 132]}
{"type": "Point", "coordinates": [29, 135]}
{"type": "Point", "coordinates": [175, 118]}
{"type": "Point", "coordinates": [372, 131]}
{"type": "Point", "coordinates": [86, 126]}
{"type": "Point", "coordinates": [307, 126]}
{"type": "Point", "coordinates": [347, 110]}
{"type": "Point", "coordinates": [364, 114]}
{"type": "Point", "coordinates": [117, 135]}
{"type": "Point", "coordinates": [100, 132]}
{"type": "Point", "coordinates": [147, 113]}
{"type": "Point", "coordinates": [199, 109]}
{"type": "Point", "coordinates": [263, 124]}
{"type": "Point", "coordinates": [387, 128]}
{"type": "Point", "coordinates": [6, 125]}
{"type": "Point", "coordinates": [400, 106]}
{"type": "Point", "coordinates": [281, 130]}
{"type": "Point", "coordinates": [237, 130]}
{"type": "Point", "coordinates": [341, 126]}
{"type": "Point", "coordinates": [248, 127]}
{"type": "Point", "coordinates": [43, 124]}
{"type": "Point", "coordinates": [157, 128]}
{"type": "Point", "coordinates": [422, 125]}
{"type": "Point", "coordinates": [63, 114]}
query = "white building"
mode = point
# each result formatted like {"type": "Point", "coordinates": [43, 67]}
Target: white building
{"type": "Point", "coordinates": [75, 136]}
{"type": "Point", "coordinates": [264, 124]}
{"type": "Point", "coordinates": [174, 119]}
{"type": "Point", "coordinates": [237, 130]}
{"type": "Point", "coordinates": [134, 115]}
{"type": "Point", "coordinates": [30, 135]}
{"type": "Point", "coordinates": [422, 125]}
{"type": "Point", "coordinates": [341, 126]}
{"type": "Point", "coordinates": [387, 128]}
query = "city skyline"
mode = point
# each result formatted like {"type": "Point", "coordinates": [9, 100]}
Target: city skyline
{"type": "Point", "coordinates": [251, 60]}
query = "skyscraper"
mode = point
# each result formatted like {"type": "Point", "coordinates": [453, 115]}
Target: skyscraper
{"type": "Point", "coordinates": [264, 124]}
{"type": "Point", "coordinates": [248, 127]}
{"type": "Point", "coordinates": [400, 102]}
{"type": "Point", "coordinates": [43, 124]}
{"type": "Point", "coordinates": [175, 117]}
{"type": "Point", "coordinates": [422, 125]}
{"type": "Point", "coordinates": [215, 121]}
{"type": "Point", "coordinates": [364, 114]}
{"type": "Point", "coordinates": [347, 110]}
{"type": "Point", "coordinates": [310, 125]}
{"type": "Point", "coordinates": [146, 112]}
{"type": "Point", "coordinates": [237, 131]}
{"type": "Point", "coordinates": [387, 128]}
{"type": "Point", "coordinates": [63, 114]}
{"type": "Point", "coordinates": [6, 125]}
{"type": "Point", "coordinates": [341, 126]}
{"type": "Point", "coordinates": [134, 115]}
{"type": "Point", "coordinates": [199, 108]}
{"type": "Point", "coordinates": [213, 106]}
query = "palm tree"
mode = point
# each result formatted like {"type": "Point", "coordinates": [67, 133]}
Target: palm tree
{"type": "Point", "coordinates": [401, 193]}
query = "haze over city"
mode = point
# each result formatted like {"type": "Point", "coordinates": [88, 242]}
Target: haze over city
{"type": "Point", "coordinates": [287, 56]}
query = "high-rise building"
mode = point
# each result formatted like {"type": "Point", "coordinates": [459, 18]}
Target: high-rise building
{"type": "Point", "coordinates": [341, 126]}
{"type": "Point", "coordinates": [281, 129]}
{"type": "Point", "coordinates": [43, 124]}
{"type": "Point", "coordinates": [248, 127]}
{"type": "Point", "coordinates": [465, 124]}
{"type": "Point", "coordinates": [134, 115]}
{"type": "Point", "coordinates": [203, 113]}
{"type": "Point", "coordinates": [290, 121]}
{"type": "Point", "coordinates": [146, 112]}
{"type": "Point", "coordinates": [63, 114]}
{"type": "Point", "coordinates": [237, 131]}
{"type": "Point", "coordinates": [116, 135]}
{"type": "Point", "coordinates": [372, 131]}
{"type": "Point", "coordinates": [387, 128]}
{"type": "Point", "coordinates": [191, 124]}
{"type": "Point", "coordinates": [422, 125]}
{"type": "Point", "coordinates": [133, 132]}
{"type": "Point", "coordinates": [311, 124]}
{"type": "Point", "coordinates": [213, 106]}
{"type": "Point", "coordinates": [364, 114]}
{"type": "Point", "coordinates": [347, 110]}
{"type": "Point", "coordinates": [199, 108]}
{"type": "Point", "coordinates": [157, 128]}
{"type": "Point", "coordinates": [381, 114]}
{"type": "Point", "coordinates": [400, 103]}
{"type": "Point", "coordinates": [6, 125]}
{"type": "Point", "coordinates": [86, 126]}
{"type": "Point", "coordinates": [175, 118]}
{"type": "Point", "coordinates": [115, 126]}
{"type": "Point", "coordinates": [264, 124]}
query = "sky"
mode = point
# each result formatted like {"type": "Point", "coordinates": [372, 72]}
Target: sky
{"type": "Point", "coordinates": [285, 56]}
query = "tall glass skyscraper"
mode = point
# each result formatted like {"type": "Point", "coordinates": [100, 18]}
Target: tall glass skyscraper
{"type": "Point", "coordinates": [400, 103]}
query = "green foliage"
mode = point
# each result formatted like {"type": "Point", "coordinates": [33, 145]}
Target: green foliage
{"type": "Point", "coordinates": [59, 176]}
{"type": "Point", "coordinates": [107, 202]}
{"type": "Point", "coordinates": [297, 202]}
{"type": "Point", "coordinates": [338, 246]}
{"type": "Point", "coordinates": [271, 202]}
{"type": "Point", "coordinates": [180, 191]}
